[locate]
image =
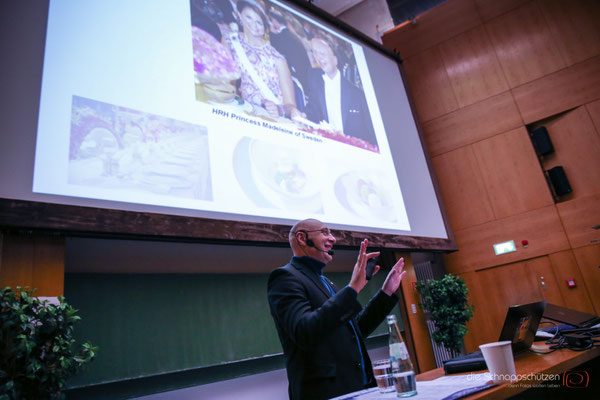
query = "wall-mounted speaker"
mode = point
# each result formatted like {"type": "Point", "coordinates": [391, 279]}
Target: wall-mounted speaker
{"type": "Point", "coordinates": [559, 181]}
{"type": "Point", "coordinates": [541, 141]}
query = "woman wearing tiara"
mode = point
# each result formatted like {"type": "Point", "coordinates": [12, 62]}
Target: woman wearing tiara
{"type": "Point", "coordinates": [266, 80]}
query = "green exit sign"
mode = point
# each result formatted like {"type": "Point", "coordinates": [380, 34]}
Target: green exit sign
{"type": "Point", "coordinates": [506, 247]}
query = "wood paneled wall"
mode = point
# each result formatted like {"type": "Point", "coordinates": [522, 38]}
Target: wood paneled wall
{"type": "Point", "coordinates": [33, 261]}
{"type": "Point", "coordinates": [480, 72]}
{"type": "Point", "coordinates": [417, 336]}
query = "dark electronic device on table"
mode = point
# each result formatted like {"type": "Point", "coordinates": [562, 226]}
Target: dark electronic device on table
{"type": "Point", "coordinates": [570, 317]}
{"type": "Point", "coordinates": [520, 326]}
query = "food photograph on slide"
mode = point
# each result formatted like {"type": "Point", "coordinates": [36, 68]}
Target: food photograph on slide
{"type": "Point", "coordinates": [276, 176]}
{"type": "Point", "coordinates": [121, 149]}
{"type": "Point", "coordinates": [365, 193]}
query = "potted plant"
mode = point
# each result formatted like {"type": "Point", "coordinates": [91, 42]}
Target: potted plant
{"type": "Point", "coordinates": [37, 348]}
{"type": "Point", "coordinates": [446, 301]}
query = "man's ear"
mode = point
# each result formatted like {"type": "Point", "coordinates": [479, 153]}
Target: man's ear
{"type": "Point", "coordinates": [301, 239]}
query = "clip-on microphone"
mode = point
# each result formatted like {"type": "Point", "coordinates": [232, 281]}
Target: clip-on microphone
{"type": "Point", "coordinates": [310, 243]}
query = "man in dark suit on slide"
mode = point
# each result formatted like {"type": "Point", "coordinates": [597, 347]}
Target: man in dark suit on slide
{"type": "Point", "coordinates": [334, 99]}
{"type": "Point", "coordinates": [290, 46]}
{"type": "Point", "coordinates": [321, 328]}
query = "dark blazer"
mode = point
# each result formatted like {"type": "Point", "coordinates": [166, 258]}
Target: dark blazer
{"type": "Point", "coordinates": [319, 345]}
{"type": "Point", "coordinates": [288, 44]}
{"type": "Point", "coordinates": [355, 113]}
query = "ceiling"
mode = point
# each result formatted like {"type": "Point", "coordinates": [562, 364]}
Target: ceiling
{"type": "Point", "coordinates": [400, 10]}
{"type": "Point", "coordinates": [335, 7]}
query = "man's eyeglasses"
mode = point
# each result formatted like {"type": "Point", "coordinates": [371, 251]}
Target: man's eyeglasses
{"type": "Point", "coordinates": [324, 231]}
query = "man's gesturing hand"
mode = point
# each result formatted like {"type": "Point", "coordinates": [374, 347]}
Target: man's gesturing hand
{"type": "Point", "coordinates": [359, 275]}
{"type": "Point", "coordinates": [394, 277]}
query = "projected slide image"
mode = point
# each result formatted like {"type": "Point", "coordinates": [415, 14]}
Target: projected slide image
{"type": "Point", "coordinates": [117, 148]}
{"type": "Point", "coordinates": [286, 67]}
{"type": "Point", "coordinates": [153, 107]}
{"type": "Point", "coordinates": [215, 70]}
{"type": "Point", "coordinates": [275, 176]}
{"type": "Point", "coordinates": [365, 194]}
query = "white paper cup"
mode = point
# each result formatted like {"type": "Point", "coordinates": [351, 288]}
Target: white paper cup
{"type": "Point", "coordinates": [499, 359]}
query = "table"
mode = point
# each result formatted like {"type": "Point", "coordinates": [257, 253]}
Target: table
{"type": "Point", "coordinates": [530, 368]}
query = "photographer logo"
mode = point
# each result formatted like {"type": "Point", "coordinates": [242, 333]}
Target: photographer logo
{"type": "Point", "coordinates": [576, 379]}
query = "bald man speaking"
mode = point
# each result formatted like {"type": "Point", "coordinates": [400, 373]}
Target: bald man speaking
{"type": "Point", "coordinates": [321, 328]}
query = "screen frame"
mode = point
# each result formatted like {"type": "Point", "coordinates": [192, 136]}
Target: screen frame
{"type": "Point", "coordinates": [32, 217]}
{"type": "Point", "coordinates": [63, 219]}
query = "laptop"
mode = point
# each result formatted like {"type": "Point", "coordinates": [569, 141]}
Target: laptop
{"type": "Point", "coordinates": [520, 326]}
{"type": "Point", "coordinates": [567, 316]}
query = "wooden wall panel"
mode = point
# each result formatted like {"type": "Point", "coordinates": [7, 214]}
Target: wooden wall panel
{"type": "Point", "coordinates": [49, 261]}
{"type": "Point", "coordinates": [429, 84]}
{"type": "Point", "coordinates": [577, 149]}
{"type": "Point", "coordinates": [560, 91]}
{"type": "Point", "coordinates": [593, 109]}
{"type": "Point", "coordinates": [547, 53]}
{"type": "Point", "coordinates": [493, 290]}
{"type": "Point", "coordinates": [524, 45]}
{"type": "Point", "coordinates": [588, 259]}
{"type": "Point", "coordinates": [512, 174]}
{"type": "Point", "coordinates": [17, 261]}
{"type": "Point", "coordinates": [506, 286]}
{"type": "Point", "coordinates": [575, 25]}
{"type": "Point", "coordinates": [432, 27]}
{"type": "Point", "coordinates": [417, 322]}
{"type": "Point", "coordinates": [481, 327]}
{"type": "Point", "coordinates": [463, 188]}
{"type": "Point", "coordinates": [542, 228]}
{"type": "Point", "coordinates": [542, 267]}
{"type": "Point", "coordinates": [565, 267]}
{"type": "Point", "coordinates": [578, 216]}
{"type": "Point", "coordinates": [489, 9]}
{"type": "Point", "coordinates": [472, 66]}
{"type": "Point", "coordinates": [33, 261]}
{"type": "Point", "coordinates": [470, 124]}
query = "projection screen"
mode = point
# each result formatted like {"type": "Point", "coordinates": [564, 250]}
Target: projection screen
{"type": "Point", "coordinates": [251, 111]}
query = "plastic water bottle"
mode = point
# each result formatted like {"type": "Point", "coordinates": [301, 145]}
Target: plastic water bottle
{"type": "Point", "coordinates": [402, 369]}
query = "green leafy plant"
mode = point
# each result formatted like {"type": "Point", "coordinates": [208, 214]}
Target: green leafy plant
{"type": "Point", "coordinates": [446, 301]}
{"type": "Point", "coordinates": [37, 353]}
